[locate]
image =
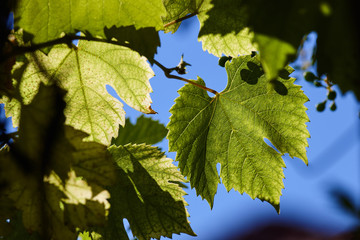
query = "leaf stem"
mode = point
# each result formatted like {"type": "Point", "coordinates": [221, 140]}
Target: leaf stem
{"type": "Point", "coordinates": [67, 39]}
{"type": "Point", "coordinates": [180, 19]}
{"type": "Point", "coordinates": [167, 72]}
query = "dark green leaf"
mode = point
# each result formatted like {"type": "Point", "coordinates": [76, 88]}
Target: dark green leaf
{"type": "Point", "coordinates": [47, 169]}
{"type": "Point", "coordinates": [145, 130]}
{"type": "Point", "coordinates": [145, 194]}
{"type": "Point", "coordinates": [134, 39]}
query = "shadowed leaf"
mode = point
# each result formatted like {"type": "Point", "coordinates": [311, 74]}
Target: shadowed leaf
{"type": "Point", "coordinates": [145, 195]}
{"type": "Point", "coordinates": [145, 130]}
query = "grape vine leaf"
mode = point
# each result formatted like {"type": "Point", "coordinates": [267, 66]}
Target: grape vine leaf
{"type": "Point", "coordinates": [215, 33]}
{"type": "Point", "coordinates": [230, 128]}
{"type": "Point", "coordinates": [276, 29]}
{"type": "Point", "coordinates": [177, 9]}
{"type": "Point", "coordinates": [134, 39]}
{"type": "Point", "coordinates": [146, 194]}
{"type": "Point", "coordinates": [41, 175]}
{"type": "Point", "coordinates": [239, 27]}
{"type": "Point", "coordinates": [146, 130]}
{"type": "Point", "coordinates": [84, 72]}
{"type": "Point", "coordinates": [45, 20]}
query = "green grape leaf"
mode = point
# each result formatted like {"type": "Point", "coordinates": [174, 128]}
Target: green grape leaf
{"type": "Point", "coordinates": [274, 54]}
{"type": "Point", "coordinates": [146, 130]}
{"type": "Point", "coordinates": [227, 33]}
{"type": "Point", "coordinates": [88, 156]}
{"type": "Point", "coordinates": [230, 128]}
{"type": "Point", "coordinates": [134, 39]}
{"type": "Point", "coordinates": [45, 20]}
{"type": "Point", "coordinates": [84, 73]}
{"type": "Point", "coordinates": [146, 194]}
{"type": "Point", "coordinates": [53, 177]}
{"type": "Point", "coordinates": [238, 27]}
{"type": "Point", "coordinates": [177, 9]}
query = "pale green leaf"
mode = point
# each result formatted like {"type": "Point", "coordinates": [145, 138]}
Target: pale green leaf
{"type": "Point", "coordinates": [274, 54]}
{"type": "Point", "coordinates": [147, 194]}
{"type": "Point", "coordinates": [230, 128]}
{"type": "Point", "coordinates": [227, 33]}
{"type": "Point", "coordinates": [146, 130]}
{"type": "Point", "coordinates": [84, 72]}
{"type": "Point", "coordinates": [83, 205]}
{"type": "Point", "coordinates": [45, 20]}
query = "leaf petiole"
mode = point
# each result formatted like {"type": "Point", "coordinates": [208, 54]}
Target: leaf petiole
{"type": "Point", "coordinates": [167, 72]}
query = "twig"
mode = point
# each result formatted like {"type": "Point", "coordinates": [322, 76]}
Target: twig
{"type": "Point", "coordinates": [180, 19]}
{"type": "Point", "coordinates": [67, 39]}
{"type": "Point", "coordinates": [167, 72]}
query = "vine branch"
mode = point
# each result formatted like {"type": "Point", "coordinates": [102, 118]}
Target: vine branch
{"type": "Point", "coordinates": [180, 19]}
{"type": "Point", "coordinates": [67, 39]}
{"type": "Point", "coordinates": [167, 72]}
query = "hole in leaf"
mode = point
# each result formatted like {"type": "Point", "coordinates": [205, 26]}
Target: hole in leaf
{"type": "Point", "coordinates": [218, 168]}
{"type": "Point", "coordinates": [112, 92]}
{"type": "Point", "coordinates": [268, 142]}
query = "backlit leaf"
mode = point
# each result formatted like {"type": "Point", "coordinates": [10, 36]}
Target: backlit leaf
{"type": "Point", "coordinates": [45, 20]}
{"type": "Point", "coordinates": [230, 128]}
{"type": "Point", "coordinates": [84, 72]}
{"type": "Point", "coordinates": [146, 194]}
{"type": "Point", "coordinates": [227, 33]}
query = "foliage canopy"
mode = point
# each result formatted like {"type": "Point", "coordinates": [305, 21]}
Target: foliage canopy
{"type": "Point", "coordinates": [78, 167]}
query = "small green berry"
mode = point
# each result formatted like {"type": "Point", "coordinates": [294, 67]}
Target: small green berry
{"type": "Point", "coordinates": [310, 77]}
{"type": "Point", "coordinates": [321, 106]}
{"type": "Point", "coordinates": [331, 95]}
{"type": "Point", "coordinates": [333, 106]}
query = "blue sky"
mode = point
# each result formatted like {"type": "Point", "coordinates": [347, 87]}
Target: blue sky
{"type": "Point", "coordinates": [333, 153]}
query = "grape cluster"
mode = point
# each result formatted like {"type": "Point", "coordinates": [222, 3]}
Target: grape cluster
{"type": "Point", "coordinates": [331, 94]}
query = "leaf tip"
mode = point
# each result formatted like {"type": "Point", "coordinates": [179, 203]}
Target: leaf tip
{"type": "Point", "coordinates": [277, 208]}
{"type": "Point", "coordinates": [151, 111]}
